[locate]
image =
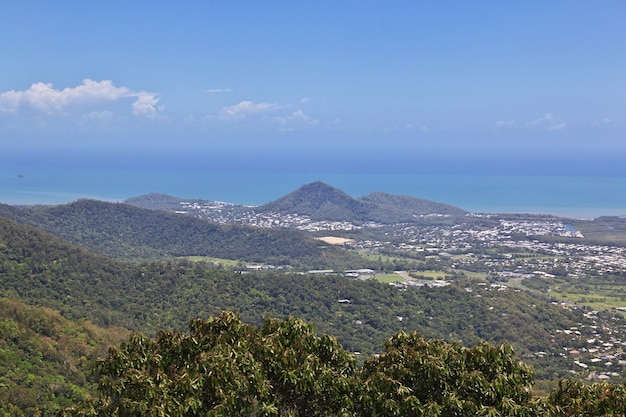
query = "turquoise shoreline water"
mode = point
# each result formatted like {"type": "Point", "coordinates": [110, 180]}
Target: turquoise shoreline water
{"type": "Point", "coordinates": [582, 185]}
{"type": "Point", "coordinates": [570, 196]}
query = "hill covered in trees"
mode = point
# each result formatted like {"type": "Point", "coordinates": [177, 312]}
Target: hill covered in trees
{"type": "Point", "coordinates": [46, 360]}
{"type": "Point", "coordinates": [40, 269]}
{"type": "Point", "coordinates": [126, 232]}
{"type": "Point", "coordinates": [320, 202]}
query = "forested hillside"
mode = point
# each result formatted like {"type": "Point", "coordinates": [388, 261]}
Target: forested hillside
{"type": "Point", "coordinates": [126, 232]}
{"type": "Point", "coordinates": [40, 269]}
{"type": "Point", "coordinates": [389, 208]}
{"type": "Point", "coordinates": [46, 357]}
{"type": "Point", "coordinates": [46, 360]}
{"type": "Point", "coordinates": [224, 367]}
{"type": "Point", "coordinates": [319, 202]}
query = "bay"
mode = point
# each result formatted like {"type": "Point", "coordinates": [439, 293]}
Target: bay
{"type": "Point", "coordinates": [569, 196]}
{"type": "Point", "coordinates": [254, 179]}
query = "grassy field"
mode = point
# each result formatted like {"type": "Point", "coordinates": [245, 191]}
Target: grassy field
{"type": "Point", "coordinates": [383, 258]}
{"type": "Point", "coordinates": [387, 278]}
{"type": "Point", "coordinates": [596, 292]}
{"type": "Point", "coordinates": [429, 274]}
{"type": "Point", "coordinates": [600, 298]}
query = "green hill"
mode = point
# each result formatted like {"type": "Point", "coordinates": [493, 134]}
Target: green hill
{"type": "Point", "coordinates": [317, 200]}
{"type": "Point", "coordinates": [389, 208]}
{"type": "Point", "coordinates": [320, 202]}
{"type": "Point", "coordinates": [156, 201]}
{"type": "Point", "coordinates": [46, 360]}
{"type": "Point", "coordinates": [40, 269]}
{"type": "Point", "coordinates": [127, 232]}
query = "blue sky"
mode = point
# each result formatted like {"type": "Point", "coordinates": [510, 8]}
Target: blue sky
{"type": "Point", "coordinates": [410, 77]}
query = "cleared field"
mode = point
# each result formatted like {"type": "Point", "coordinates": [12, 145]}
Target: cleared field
{"type": "Point", "coordinates": [383, 258]}
{"type": "Point", "coordinates": [429, 274]}
{"type": "Point", "coordinates": [594, 292]}
{"type": "Point", "coordinates": [605, 298]}
{"type": "Point", "coordinates": [333, 240]}
{"type": "Point", "coordinates": [387, 278]}
{"type": "Point", "coordinates": [472, 274]}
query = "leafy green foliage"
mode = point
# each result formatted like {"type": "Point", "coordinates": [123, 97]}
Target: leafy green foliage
{"type": "Point", "coordinates": [311, 376]}
{"type": "Point", "coordinates": [127, 232]}
{"type": "Point", "coordinates": [42, 270]}
{"type": "Point", "coordinates": [574, 398]}
{"type": "Point", "coordinates": [45, 360]}
{"type": "Point", "coordinates": [282, 368]}
{"type": "Point", "coordinates": [320, 201]}
{"type": "Point", "coordinates": [416, 376]}
{"type": "Point", "coordinates": [223, 367]}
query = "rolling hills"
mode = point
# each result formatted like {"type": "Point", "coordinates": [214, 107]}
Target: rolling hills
{"type": "Point", "coordinates": [46, 359]}
{"type": "Point", "coordinates": [319, 202]}
{"type": "Point", "coordinates": [63, 267]}
{"type": "Point", "coordinates": [42, 270]}
{"type": "Point", "coordinates": [150, 227]}
{"type": "Point", "coordinates": [126, 232]}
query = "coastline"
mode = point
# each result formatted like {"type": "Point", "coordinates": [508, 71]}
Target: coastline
{"type": "Point", "coordinates": [579, 197]}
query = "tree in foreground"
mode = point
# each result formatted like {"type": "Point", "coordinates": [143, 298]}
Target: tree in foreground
{"type": "Point", "coordinates": [574, 398]}
{"type": "Point", "coordinates": [223, 367]}
{"type": "Point", "coordinates": [415, 376]}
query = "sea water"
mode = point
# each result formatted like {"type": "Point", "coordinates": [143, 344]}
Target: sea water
{"type": "Point", "coordinates": [39, 181]}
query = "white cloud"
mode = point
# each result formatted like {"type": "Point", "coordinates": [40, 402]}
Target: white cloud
{"type": "Point", "coordinates": [99, 115]}
{"type": "Point", "coordinates": [547, 122]}
{"type": "Point", "coordinates": [9, 101]}
{"type": "Point", "coordinates": [606, 121]}
{"type": "Point", "coordinates": [263, 115]}
{"type": "Point", "coordinates": [542, 121]}
{"type": "Point", "coordinates": [218, 90]}
{"type": "Point", "coordinates": [244, 109]}
{"type": "Point", "coordinates": [146, 105]}
{"type": "Point", "coordinates": [298, 118]}
{"type": "Point", "coordinates": [506, 123]}
{"type": "Point", "coordinates": [44, 97]}
{"type": "Point", "coordinates": [558, 126]}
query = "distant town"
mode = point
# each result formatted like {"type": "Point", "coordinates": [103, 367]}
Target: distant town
{"type": "Point", "coordinates": [460, 238]}
{"type": "Point", "coordinates": [548, 255]}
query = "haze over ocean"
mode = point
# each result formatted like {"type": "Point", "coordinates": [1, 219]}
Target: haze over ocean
{"type": "Point", "coordinates": [477, 183]}
{"type": "Point", "coordinates": [489, 106]}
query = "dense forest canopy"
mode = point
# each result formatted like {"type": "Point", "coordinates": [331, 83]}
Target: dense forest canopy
{"type": "Point", "coordinates": [386, 350]}
{"type": "Point", "coordinates": [43, 270]}
{"type": "Point", "coordinates": [46, 361]}
{"type": "Point", "coordinates": [126, 232]}
{"type": "Point", "coordinates": [224, 367]}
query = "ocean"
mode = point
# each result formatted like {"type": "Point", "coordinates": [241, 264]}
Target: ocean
{"type": "Point", "coordinates": [58, 179]}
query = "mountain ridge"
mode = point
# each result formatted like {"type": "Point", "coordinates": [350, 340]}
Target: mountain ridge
{"type": "Point", "coordinates": [48, 272]}
{"type": "Point", "coordinates": [124, 231]}
{"type": "Point", "coordinates": [319, 201]}
{"type": "Point", "coordinates": [323, 202]}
